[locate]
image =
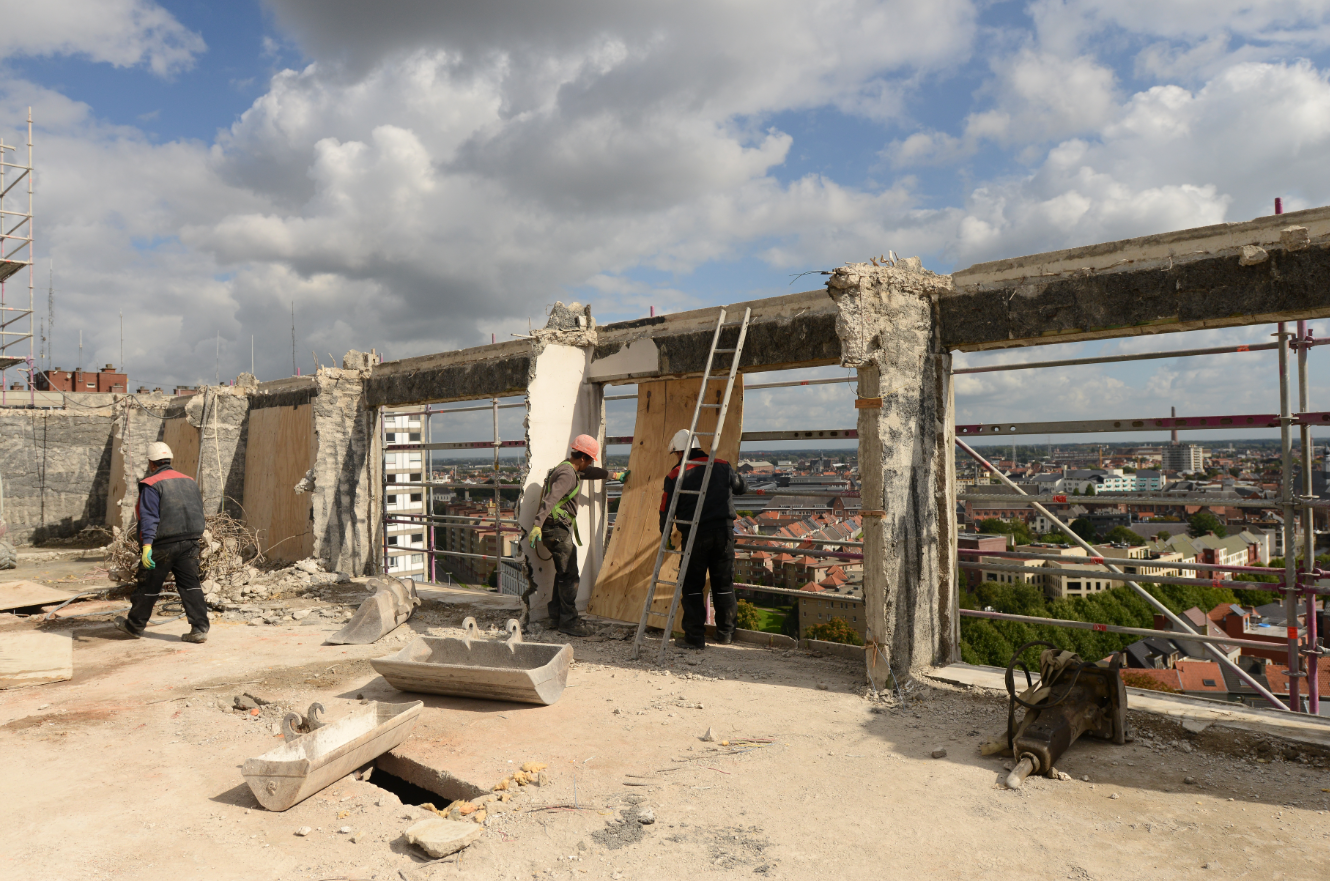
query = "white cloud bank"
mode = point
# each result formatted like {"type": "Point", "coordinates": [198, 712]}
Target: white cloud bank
{"type": "Point", "coordinates": [443, 172]}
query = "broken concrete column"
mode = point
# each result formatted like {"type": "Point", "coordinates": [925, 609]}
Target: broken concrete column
{"type": "Point", "coordinates": [348, 473]}
{"type": "Point", "coordinates": [221, 414]}
{"type": "Point", "coordinates": [889, 330]}
{"type": "Point", "coordinates": [561, 404]}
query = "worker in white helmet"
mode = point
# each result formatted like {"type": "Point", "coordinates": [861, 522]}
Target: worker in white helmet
{"type": "Point", "coordinates": [555, 527]}
{"type": "Point", "coordinates": [170, 516]}
{"type": "Point", "coordinates": [713, 548]}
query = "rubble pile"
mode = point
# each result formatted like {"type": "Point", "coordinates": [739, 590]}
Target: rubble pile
{"type": "Point", "coordinates": [228, 549]}
{"type": "Point", "coordinates": [250, 584]}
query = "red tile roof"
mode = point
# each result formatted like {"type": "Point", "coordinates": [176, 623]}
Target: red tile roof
{"type": "Point", "coordinates": [1201, 676]}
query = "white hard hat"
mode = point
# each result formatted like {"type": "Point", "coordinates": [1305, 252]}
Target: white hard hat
{"type": "Point", "coordinates": [158, 452]}
{"type": "Point", "coordinates": [679, 443]}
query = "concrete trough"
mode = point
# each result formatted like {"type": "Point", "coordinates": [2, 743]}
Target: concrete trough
{"type": "Point", "coordinates": [528, 673]}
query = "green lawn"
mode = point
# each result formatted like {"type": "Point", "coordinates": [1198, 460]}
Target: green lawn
{"type": "Point", "coordinates": [771, 619]}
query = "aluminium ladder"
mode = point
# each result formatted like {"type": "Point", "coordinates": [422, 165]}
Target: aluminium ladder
{"type": "Point", "coordinates": [686, 554]}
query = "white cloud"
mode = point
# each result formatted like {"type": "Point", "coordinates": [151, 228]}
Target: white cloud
{"type": "Point", "coordinates": [124, 33]}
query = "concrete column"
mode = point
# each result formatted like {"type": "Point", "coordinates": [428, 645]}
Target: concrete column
{"type": "Point", "coordinates": [888, 328]}
{"type": "Point", "coordinates": [561, 404]}
{"type": "Point", "coordinates": [347, 503]}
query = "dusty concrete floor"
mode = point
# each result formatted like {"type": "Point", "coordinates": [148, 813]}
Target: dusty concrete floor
{"type": "Point", "coordinates": [131, 770]}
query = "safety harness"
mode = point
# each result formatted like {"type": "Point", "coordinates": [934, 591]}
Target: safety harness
{"type": "Point", "coordinates": [557, 512]}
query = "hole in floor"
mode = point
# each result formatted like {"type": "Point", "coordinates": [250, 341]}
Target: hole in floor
{"type": "Point", "coordinates": [408, 792]}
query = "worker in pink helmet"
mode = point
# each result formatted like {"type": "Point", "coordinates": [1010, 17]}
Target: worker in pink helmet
{"type": "Point", "coordinates": [555, 527]}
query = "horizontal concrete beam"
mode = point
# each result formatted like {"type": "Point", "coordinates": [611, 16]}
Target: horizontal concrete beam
{"type": "Point", "coordinates": [797, 330]}
{"type": "Point", "coordinates": [492, 371]}
{"type": "Point", "coordinates": [1176, 281]}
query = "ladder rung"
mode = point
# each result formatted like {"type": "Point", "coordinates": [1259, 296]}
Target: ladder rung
{"type": "Point", "coordinates": [712, 406]}
{"type": "Point", "coordinates": [722, 351]}
{"type": "Point", "coordinates": [691, 492]}
{"type": "Point", "coordinates": [685, 522]}
{"type": "Point", "coordinates": [673, 551]}
{"type": "Point", "coordinates": [704, 434]}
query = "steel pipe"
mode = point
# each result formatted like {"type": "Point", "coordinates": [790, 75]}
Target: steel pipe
{"type": "Point", "coordinates": [1112, 359]}
{"type": "Point", "coordinates": [1165, 423]}
{"type": "Point", "coordinates": [1122, 576]}
{"type": "Point", "coordinates": [1137, 501]}
{"type": "Point", "coordinates": [801, 551]}
{"type": "Point", "coordinates": [1200, 567]}
{"type": "Point", "coordinates": [1114, 628]}
{"type": "Point", "coordinates": [1183, 626]}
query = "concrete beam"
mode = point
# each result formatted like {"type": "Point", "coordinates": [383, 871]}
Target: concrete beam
{"type": "Point", "coordinates": [1265, 270]}
{"type": "Point", "coordinates": [798, 330]}
{"type": "Point", "coordinates": [481, 372]}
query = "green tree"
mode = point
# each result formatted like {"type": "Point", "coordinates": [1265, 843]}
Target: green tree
{"type": "Point", "coordinates": [1084, 528]}
{"type": "Point", "coordinates": [1203, 522]}
{"type": "Point", "coordinates": [1235, 471]}
{"type": "Point", "coordinates": [835, 630]}
{"type": "Point", "coordinates": [747, 617]}
{"type": "Point", "coordinates": [1121, 534]}
{"type": "Point", "coordinates": [1089, 489]}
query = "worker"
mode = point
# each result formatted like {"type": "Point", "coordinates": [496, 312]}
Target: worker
{"type": "Point", "coordinates": [555, 527]}
{"type": "Point", "coordinates": [170, 515]}
{"type": "Point", "coordinates": [713, 548]}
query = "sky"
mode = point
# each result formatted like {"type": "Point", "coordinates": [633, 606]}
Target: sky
{"type": "Point", "coordinates": [413, 177]}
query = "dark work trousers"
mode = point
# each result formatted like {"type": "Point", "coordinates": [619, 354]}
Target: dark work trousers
{"type": "Point", "coordinates": [713, 552]}
{"type": "Point", "coordinates": [182, 558]}
{"type": "Point", "coordinates": [558, 540]}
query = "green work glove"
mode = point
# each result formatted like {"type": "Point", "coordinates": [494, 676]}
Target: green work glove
{"type": "Point", "coordinates": [535, 535]}
{"type": "Point", "coordinates": [147, 558]}
{"type": "Point", "coordinates": [622, 476]}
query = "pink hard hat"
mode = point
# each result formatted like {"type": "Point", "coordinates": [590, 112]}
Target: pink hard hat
{"type": "Point", "coordinates": [585, 443]}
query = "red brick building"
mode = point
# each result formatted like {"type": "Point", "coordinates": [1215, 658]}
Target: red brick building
{"type": "Point", "coordinates": [104, 382]}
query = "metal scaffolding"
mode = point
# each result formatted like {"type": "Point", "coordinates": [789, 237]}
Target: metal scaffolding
{"type": "Point", "coordinates": [428, 518]}
{"type": "Point", "coordinates": [1295, 582]}
{"type": "Point", "coordinates": [16, 252]}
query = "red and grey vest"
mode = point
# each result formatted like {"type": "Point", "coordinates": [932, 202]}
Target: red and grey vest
{"type": "Point", "coordinates": [181, 509]}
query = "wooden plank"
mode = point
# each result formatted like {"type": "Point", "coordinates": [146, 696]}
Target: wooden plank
{"type": "Point", "coordinates": [663, 407]}
{"type": "Point", "coordinates": [183, 439]}
{"type": "Point", "coordinates": [281, 450]}
{"type": "Point", "coordinates": [19, 594]}
{"type": "Point", "coordinates": [34, 658]}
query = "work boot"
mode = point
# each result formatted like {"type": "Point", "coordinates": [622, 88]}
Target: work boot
{"type": "Point", "coordinates": [724, 638]}
{"type": "Point", "coordinates": [195, 636]}
{"type": "Point", "coordinates": [576, 627]}
{"type": "Point", "coordinates": [691, 646]}
{"type": "Point", "coordinates": [122, 624]}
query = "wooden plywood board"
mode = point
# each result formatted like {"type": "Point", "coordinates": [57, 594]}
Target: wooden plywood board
{"type": "Point", "coordinates": [34, 658]}
{"type": "Point", "coordinates": [183, 439]}
{"type": "Point", "coordinates": [281, 450]}
{"type": "Point", "coordinates": [20, 594]}
{"type": "Point", "coordinates": [663, 407]}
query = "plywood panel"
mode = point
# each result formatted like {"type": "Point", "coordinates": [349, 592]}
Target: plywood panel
{"type": "Point", "coordinates": [663, 407]}
{"type": "Point", "coordinates": [183, 439]}
{"type": "Point", "coordinates": [34, 657]}
{"type": "Point", "coordinates": [279, 451]}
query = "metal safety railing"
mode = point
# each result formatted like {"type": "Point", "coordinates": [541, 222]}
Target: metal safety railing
{"type": "Point", "coordinates": [1294, 582]}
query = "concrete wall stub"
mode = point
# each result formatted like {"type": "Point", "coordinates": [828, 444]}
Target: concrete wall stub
{"type": "Point", "coordinates": [889, 331]}
{"type": "Point", "coordinates": [346, 500]}
{"type": "Point", "coordinates": [221, 413]}
{"type": "Point", "coordinates": [561, 404]}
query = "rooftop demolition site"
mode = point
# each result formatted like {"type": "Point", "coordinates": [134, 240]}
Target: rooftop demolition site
{"type": "Point", "coordinates": [345, 721]}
